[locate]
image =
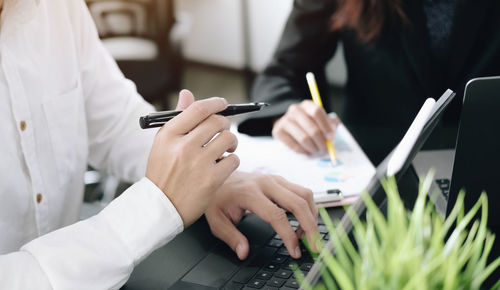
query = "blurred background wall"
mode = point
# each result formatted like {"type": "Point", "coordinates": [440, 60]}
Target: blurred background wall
{"type": "Point", "coordinates": [218, 30]}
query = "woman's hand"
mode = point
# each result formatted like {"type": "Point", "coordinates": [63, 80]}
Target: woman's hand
{"type": "Point", "coordinates": [186, 161]}
{"type": "Point", "coordinates": [305, 127]}
{"type": "Point", "coordinates": [269, 197]}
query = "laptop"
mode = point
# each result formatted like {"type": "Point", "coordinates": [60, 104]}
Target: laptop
{"type": "Point", "coordinates": [474, 166]}
{"type": "Point", "coordinates": [213, 265]}
{"type": "Point", "coordinates": [477, 157]}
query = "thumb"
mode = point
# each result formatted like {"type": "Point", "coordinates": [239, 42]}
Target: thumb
{"type": "Point", "coordinates": [186, 98]}
{"type": "Point", "coordinates": [225, 230]}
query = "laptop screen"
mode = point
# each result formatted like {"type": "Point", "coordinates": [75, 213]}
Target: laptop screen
{"type": "Point", "coordinates": [412, 142]}
{"type": "Point", "coordinates": [475, 167]}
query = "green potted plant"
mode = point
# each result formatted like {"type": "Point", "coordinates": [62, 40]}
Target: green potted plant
{"type": "Point", "coordinates": [415, 249]}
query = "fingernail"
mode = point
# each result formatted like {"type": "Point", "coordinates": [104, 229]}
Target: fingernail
{"type": "Point", "coordinates": [224, 100]}
{"type": "Point", "coordinates": [330, 136]}
{"type": "Point", "coordinates": [298, 253]}
{"type": "Point", "coordinates": [239, 249]}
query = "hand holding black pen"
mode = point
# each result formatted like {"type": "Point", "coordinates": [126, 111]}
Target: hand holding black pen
{"type": "Point", "coordinates": [158, 119]}
{"type": "Point", "coordinates": [204, 155]}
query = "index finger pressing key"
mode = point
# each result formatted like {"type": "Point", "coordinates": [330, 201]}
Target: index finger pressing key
{"type": "Point", "coordinates": [300, 208]}
{"type": "Point", "coordinates": [196, 113]}
{"type": "Point", "coordinates": [276, 217]}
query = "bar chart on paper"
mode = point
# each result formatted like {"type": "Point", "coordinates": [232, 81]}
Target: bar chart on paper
{"type": "Point", "coordinates": [350, 175]}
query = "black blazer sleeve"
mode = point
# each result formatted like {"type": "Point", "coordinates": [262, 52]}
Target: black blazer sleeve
{"type": "Point", "coordinates": [306, 45]}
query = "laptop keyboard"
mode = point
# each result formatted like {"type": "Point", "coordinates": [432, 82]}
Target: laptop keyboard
{"type": "Point", "coordinates": [270, 267]}
{"type": "Point", "coordinates": [444, 185]}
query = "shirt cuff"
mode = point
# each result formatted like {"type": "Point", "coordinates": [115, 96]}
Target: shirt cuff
{"type": "Point", "coordinates": [143, 218]}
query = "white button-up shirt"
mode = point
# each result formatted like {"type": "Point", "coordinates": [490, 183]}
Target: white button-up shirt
{"type": "Point", "coordinates": [64, 104]}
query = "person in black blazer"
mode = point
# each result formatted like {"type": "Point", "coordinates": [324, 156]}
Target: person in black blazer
{"type": "Point", "coordinates": [418, 50]}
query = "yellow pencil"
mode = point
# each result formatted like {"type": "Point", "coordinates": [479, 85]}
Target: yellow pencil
{"type": "Point", "coordinates": [313, 87]}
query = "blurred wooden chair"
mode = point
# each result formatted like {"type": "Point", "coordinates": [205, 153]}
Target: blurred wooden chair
{"type": "Point", "coordinates": [140, 35]}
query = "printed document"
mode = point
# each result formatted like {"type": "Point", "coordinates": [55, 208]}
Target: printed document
{"type": "Point", "coordinates": [350, 175]}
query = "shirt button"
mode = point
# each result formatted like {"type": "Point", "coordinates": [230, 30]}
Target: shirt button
{"type": "Point", "coordinates": [39, 198]}
{"type": "Point", "coordinates": [22, 125]}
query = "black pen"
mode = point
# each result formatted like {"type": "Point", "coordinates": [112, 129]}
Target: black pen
{"type": "Point", "coordinates": [157, 119]}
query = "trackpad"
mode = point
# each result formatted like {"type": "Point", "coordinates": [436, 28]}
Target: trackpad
{"type": "Point", "coordinates": [215, 268]}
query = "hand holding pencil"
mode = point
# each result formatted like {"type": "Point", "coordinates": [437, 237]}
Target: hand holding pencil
{"type": "Point", "coordinates": [305, 127]}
